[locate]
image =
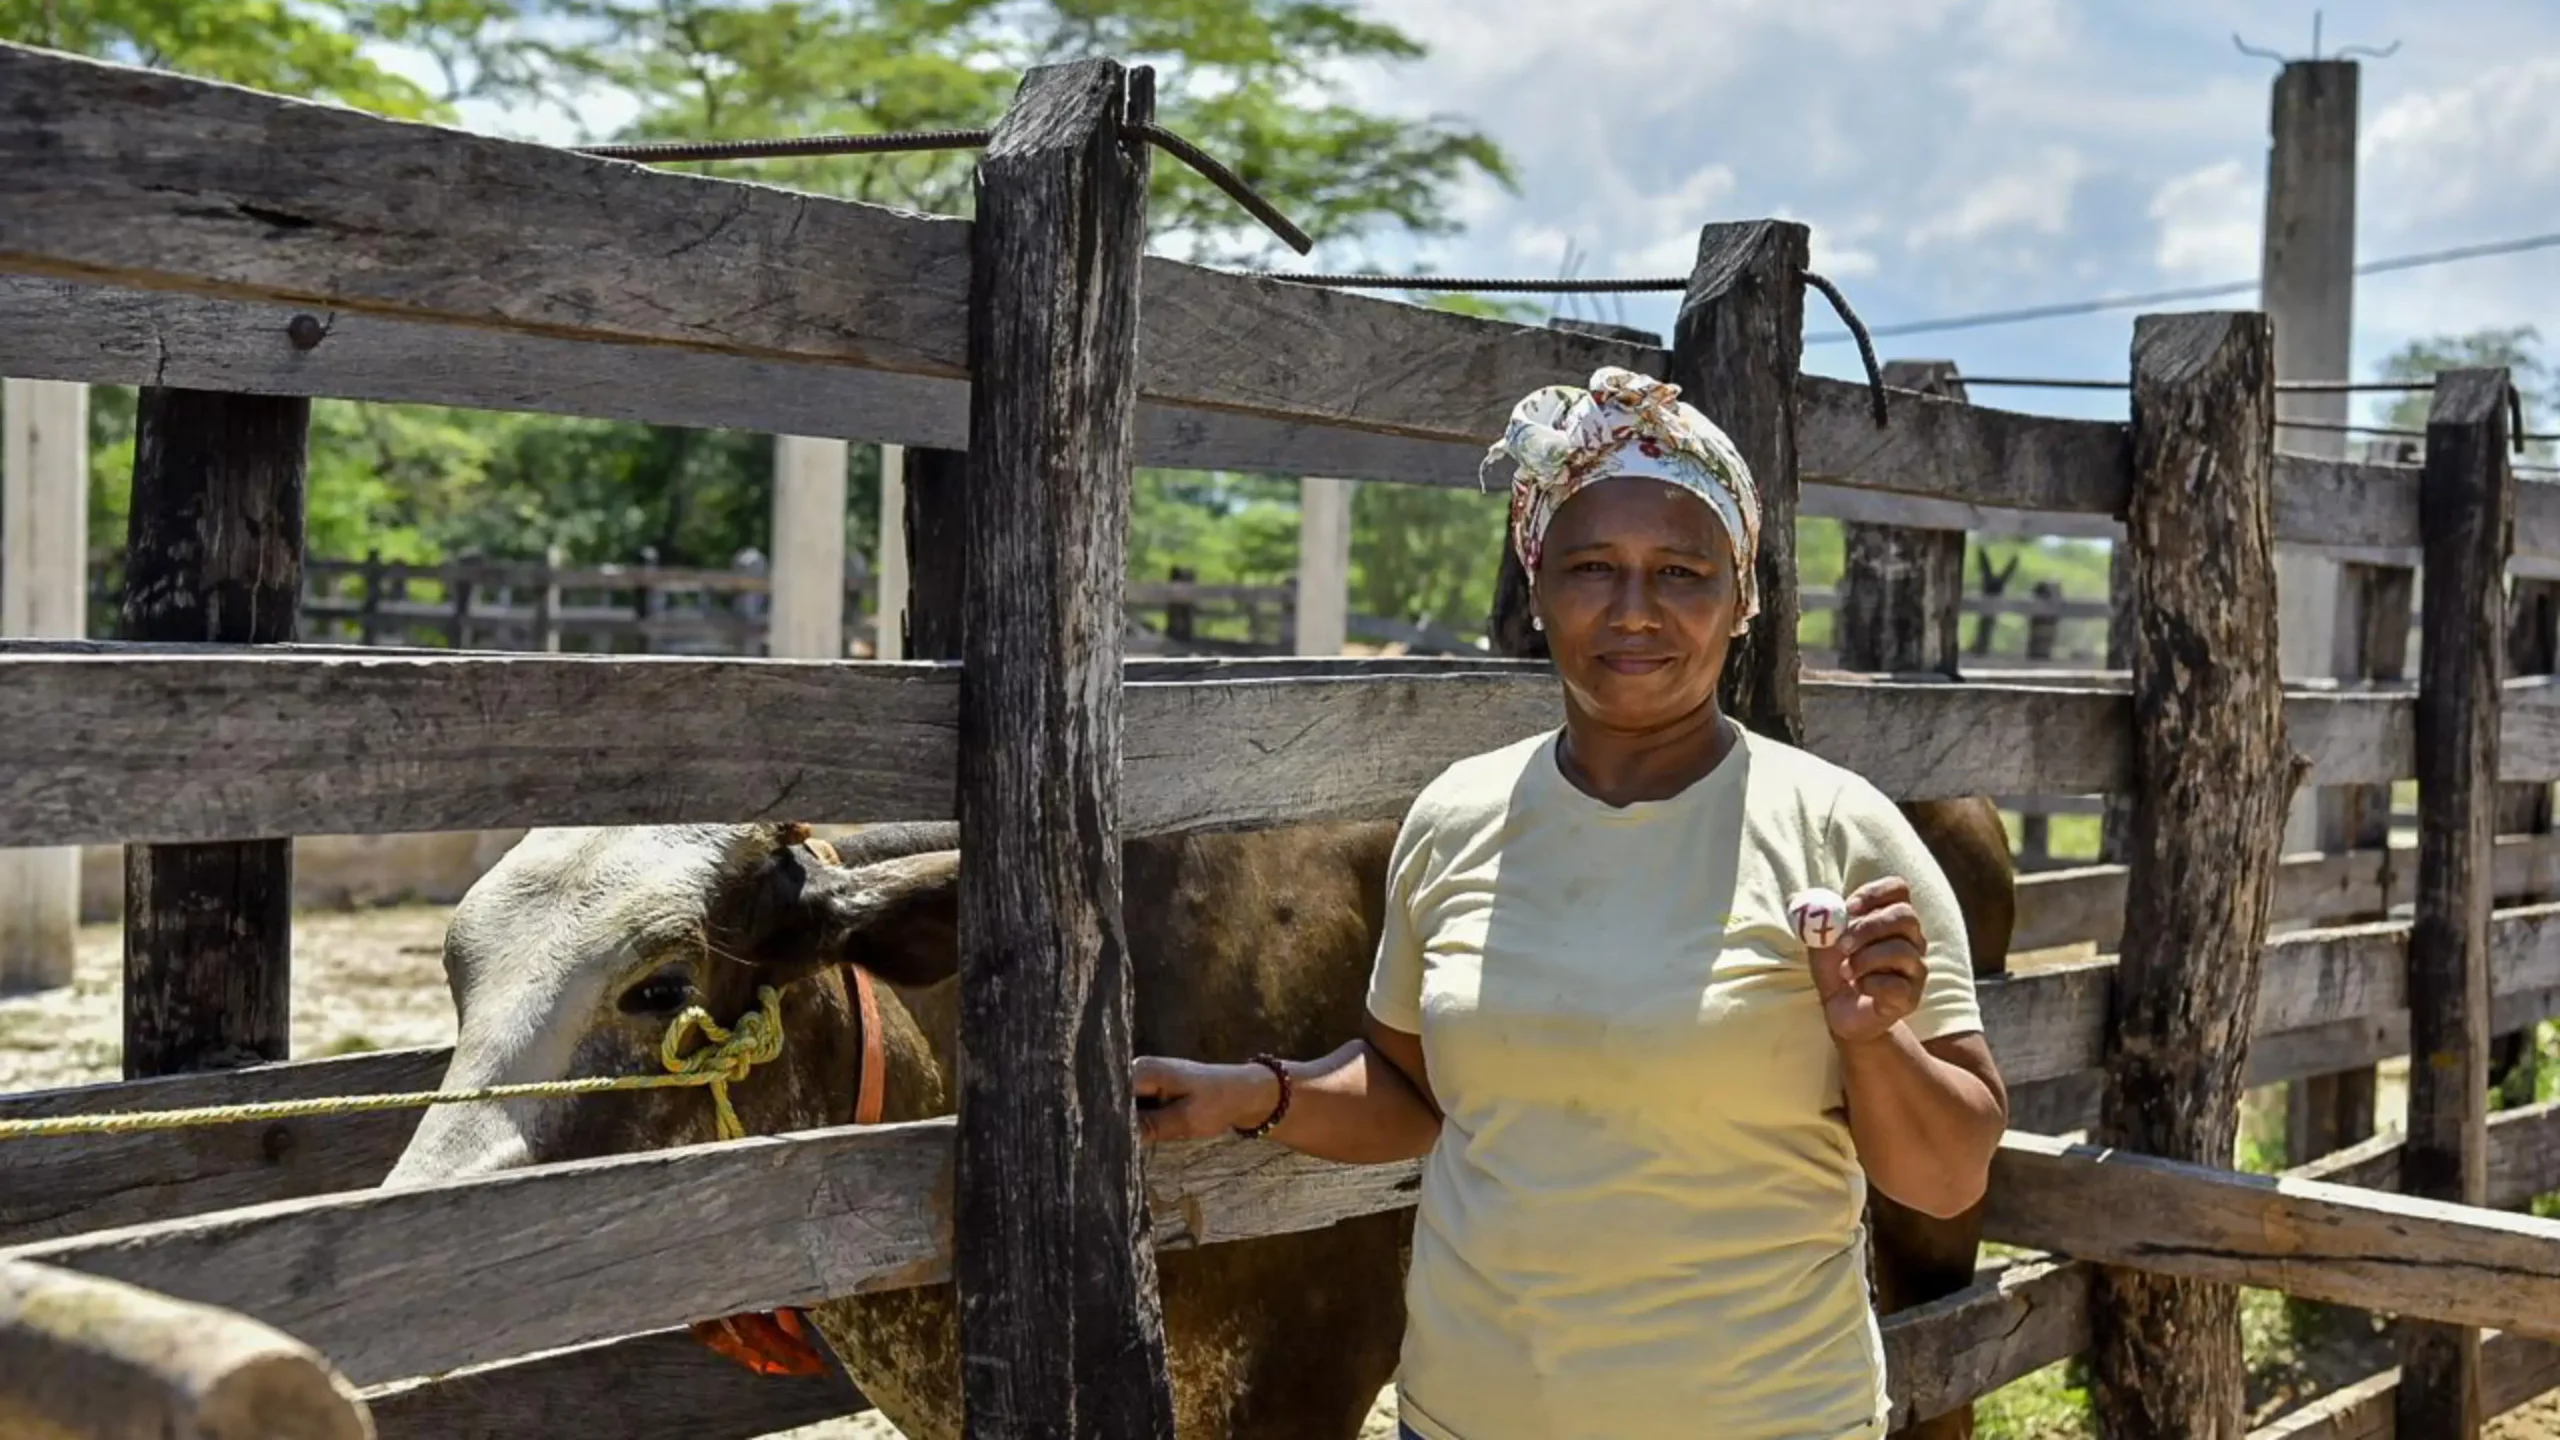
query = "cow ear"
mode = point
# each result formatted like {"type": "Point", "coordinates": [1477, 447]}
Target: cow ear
{"type": "Point", "coordinates": [899, 919]}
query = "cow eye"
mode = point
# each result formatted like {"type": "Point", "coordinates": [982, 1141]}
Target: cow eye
{"type": "Point", "coordinates": [664, 993]}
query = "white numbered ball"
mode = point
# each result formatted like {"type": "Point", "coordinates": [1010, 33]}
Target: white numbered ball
{"type": "Point", "coordinates": [1820, 916]}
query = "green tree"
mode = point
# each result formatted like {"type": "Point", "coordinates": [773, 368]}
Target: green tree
{"type": "Point", "coordinates": [1250, 81]}
{"type": "Point", "coordinates": [2516, 347]}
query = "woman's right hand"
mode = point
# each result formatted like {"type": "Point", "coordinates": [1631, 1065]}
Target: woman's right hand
{"type": "Point", "coordinates": [1195, 1101]}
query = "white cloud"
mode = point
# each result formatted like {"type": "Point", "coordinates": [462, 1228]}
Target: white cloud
{"type": "Point", "coordinates": [2490, 147]}
{"type": "Point", "coordinates": [2036, 196]}
{"type": "Point", "coordinates": [2210, 222]}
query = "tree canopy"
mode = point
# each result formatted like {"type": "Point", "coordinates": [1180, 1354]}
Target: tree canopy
{"type": "Point", "coordinates": [1256, 83]}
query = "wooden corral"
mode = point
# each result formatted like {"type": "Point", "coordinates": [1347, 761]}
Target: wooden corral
{"type": "Point", "coordinates": [167, 232]}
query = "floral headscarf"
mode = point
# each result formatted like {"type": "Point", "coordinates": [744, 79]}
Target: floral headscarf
{"type": "Point", "coordinates": [1564, 438]}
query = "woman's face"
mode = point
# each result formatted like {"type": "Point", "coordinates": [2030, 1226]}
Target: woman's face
{"type": "Point", "coordinates": [1637, 589]}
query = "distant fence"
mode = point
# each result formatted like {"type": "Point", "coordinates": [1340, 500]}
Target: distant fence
{"type": "Point", "coordinates": [559, 607]}
{"type": "Point", "coordinates": [647, 608]}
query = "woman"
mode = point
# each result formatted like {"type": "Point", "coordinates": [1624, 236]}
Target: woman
{"type": "Point", "coordinates": [1650, 1110]}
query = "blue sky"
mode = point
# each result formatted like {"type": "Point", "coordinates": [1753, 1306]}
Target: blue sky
{"type": "Point", "coordinates": [1955, 156]}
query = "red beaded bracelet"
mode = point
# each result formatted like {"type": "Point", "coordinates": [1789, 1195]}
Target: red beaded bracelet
{"type": "Point", "coordinates": [1280, 1111]}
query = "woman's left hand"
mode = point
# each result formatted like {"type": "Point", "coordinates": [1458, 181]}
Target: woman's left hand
{"type": "Point", "coordinates": [1871, 980]}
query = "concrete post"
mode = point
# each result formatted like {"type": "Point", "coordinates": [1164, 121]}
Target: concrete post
{"type": "Point", "coordinates": [890, 604]}
{"type": "Point", "coordinates": [1324, 566]}
{"type": "Point", "coordinates": [806, 620]}
{"type": "Point", "coordinates": [2307, 280]}
{"type": "Point", "coordinates": [44, 574]}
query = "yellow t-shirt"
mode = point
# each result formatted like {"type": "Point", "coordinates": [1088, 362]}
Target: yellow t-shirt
{"type": "Point", "coordinates": [1643, 1217]}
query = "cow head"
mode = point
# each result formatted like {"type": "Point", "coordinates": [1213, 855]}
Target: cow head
{"type": "Point", "coordinates": [575, 954]}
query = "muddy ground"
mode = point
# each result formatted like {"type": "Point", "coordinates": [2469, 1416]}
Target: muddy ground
{"type": "Point", "coordinates": [370, 979]}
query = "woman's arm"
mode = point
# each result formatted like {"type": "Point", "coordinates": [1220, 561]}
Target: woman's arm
{"type": "Point", "coordinates": [1926, 1117]}
{"type": "Point", "coordinates": [1366, 1103]}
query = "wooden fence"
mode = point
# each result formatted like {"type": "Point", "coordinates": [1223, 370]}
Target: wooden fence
{"type": "Point", "coordinates": [169, 233]}
{"type": "Point", "coordinates": [648, 608]}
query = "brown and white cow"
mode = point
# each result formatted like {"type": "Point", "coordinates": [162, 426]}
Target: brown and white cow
{"type": "Point", "coordinates": [570, 957]}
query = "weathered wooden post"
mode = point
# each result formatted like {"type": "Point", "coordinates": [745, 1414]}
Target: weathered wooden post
{"type": "Point", "coordinates": [2212, 777]}
{"type": "Point", "coordinates": [546, 604]}
{"type": "Point", "coordinates": [1902, 586]}
{"type": "Point", "coordinates": [937, 486]}
{"type": "Point", "coordinates": [2466, 518]}
{"type": "Point", "coordinates": [1181, 616]}
{"type": "Point", "coordinates": [213, 556]}
{"type": "Point", "coordinates": [1735, 353]}
{"type": "Point", "coordinates": [369, 609]}
{"type": "Point", "coordinates": [2370, 637]}
{"type": "Point", "coordinates": [2533, 648]}
{"type": "Point", "coordinates": [44, 553]}
{"type": "Point", "coordinates": [1055, 1270]}
{"type": "Point", "coordinates": [87, 1358]}
{"type": "Point", "coordinates": [1902, 612]}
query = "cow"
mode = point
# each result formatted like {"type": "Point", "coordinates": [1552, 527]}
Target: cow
{"type": "Point", "coordinates": [572, 955]}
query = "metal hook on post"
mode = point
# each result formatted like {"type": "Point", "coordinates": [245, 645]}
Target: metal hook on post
{"type": "Point", "coordinates": [2344, 51]}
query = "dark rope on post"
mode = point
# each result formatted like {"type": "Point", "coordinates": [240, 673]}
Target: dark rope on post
{"type": "Point", "coordinates": [815, 146]}
{"type": "Point", "coordinates": [2515, 419]}
{"type": "Point", "coordinates": [1858, 329]}
{"type": "Point", "coordinates": [807, 146]}
{"type": "Point", "coordinates": [1225, 179]}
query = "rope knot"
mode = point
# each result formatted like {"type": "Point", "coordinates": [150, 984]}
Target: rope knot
{"type": "Point", "coordinates": [732, 1054]}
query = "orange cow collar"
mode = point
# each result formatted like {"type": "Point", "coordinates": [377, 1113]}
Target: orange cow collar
{"type": "Point", "coordinates": [782, 1342]}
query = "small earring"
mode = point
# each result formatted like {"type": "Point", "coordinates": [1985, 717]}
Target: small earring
{"type": "Point", "coordinates": [1537, 622]}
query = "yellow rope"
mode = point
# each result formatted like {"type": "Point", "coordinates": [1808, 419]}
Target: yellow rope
{"type": "Point", "coordinates": [731, 1054]}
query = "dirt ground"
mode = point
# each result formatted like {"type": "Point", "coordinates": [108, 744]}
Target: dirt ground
{"type": "Point", "coordinates": [371, 979]}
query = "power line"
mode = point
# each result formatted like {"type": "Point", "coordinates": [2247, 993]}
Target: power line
{"type": "Point", "coordinates": [2192, 292]}
{"type": "Point", "coordinates": [2314, 387]}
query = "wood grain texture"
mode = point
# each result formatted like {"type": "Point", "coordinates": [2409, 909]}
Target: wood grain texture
{"type": "Point", "coordinates": [63, 1186]}
{"type": "Point", "coordinates": [2086, 903]}
{"type": "Point", "coordinates": [1060, 1330]}
{"type": "Point", "coordinates": [2376, 1251]}
{"type": "Point", "coordinates": [2051, 1022]}
{"type": "Point", "coordinates": [229, 744]}
{"type": "Point", "coordinates": [213, 554]}
{"type": "Point", "coordinates": [391, 1284]}
{"type": "Point", "coordinates": [116, 335]}
{"type": "Point", "coordinates": [103, 743]}
{"type": "Point", "coordinates": [2213, 778]}
{"type": "Point", "coordinates": [1901, 592]}
{"type": "Point", "coordinates": [395, 1284]}
{"type": "Point", "coordinates": [2006, 459]}
{"type": "Point", "coordinates": [2513, 1370]}
{"type": "Point", "coordinates": [1736, 350]}
{"type": "Point", "coordinates": [937, 551]}
{"type": "Point", "coordinates": [88, 1359]}
{"type": "Point", "coordinates": [154, 181]}
{"type": "Point", "coordinates": [2532, 648]}
{"type": "Point", "coordinates": [666, 1385]}
{"type": "Point", "coordinates": [2466, 518]}
{"type": "Point", "coordinates": [1942, 1356]}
